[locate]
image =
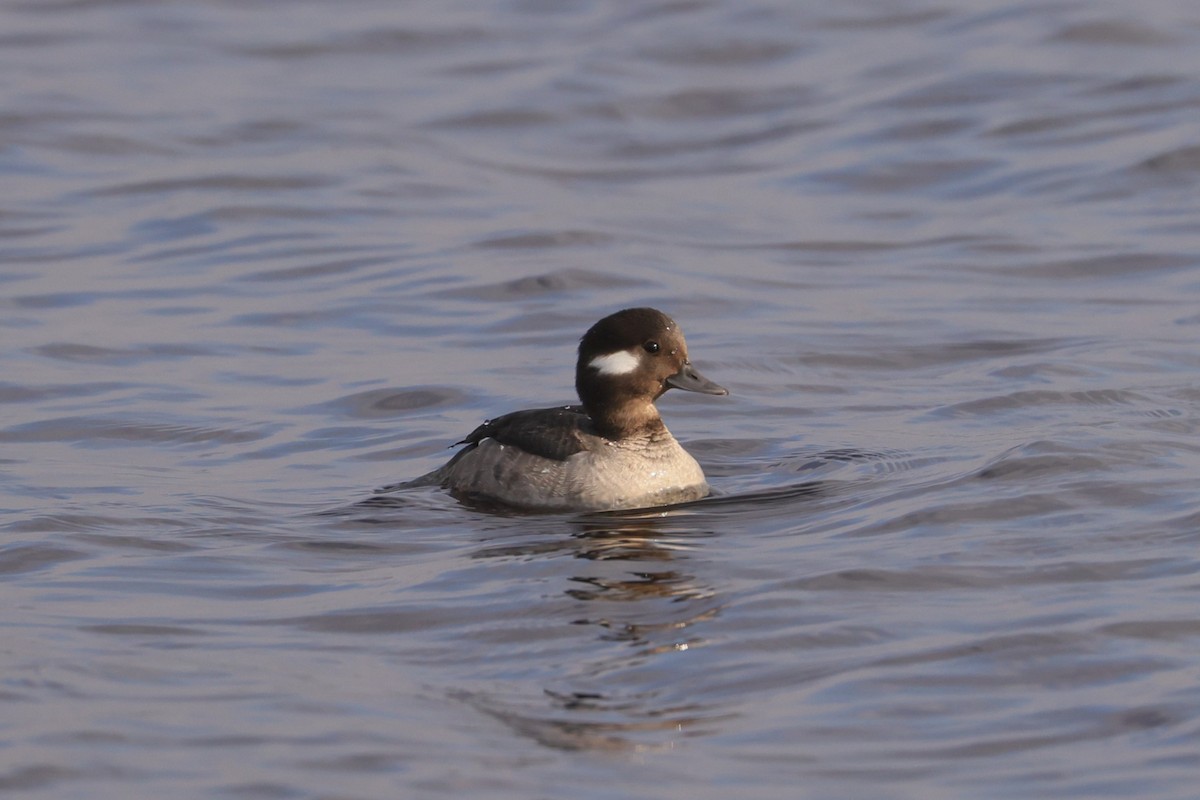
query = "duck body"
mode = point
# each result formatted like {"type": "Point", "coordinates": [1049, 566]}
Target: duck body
{"type": "Point", "coordinates": [551, 459]}
{"type": "Point", "coordinates": [612, 451]}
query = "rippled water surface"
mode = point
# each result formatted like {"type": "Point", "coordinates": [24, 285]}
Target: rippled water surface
{"type": "Point", "coordinates": [259, 258]}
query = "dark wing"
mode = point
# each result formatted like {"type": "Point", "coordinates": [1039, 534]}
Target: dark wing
{"type": "Point", "coordinates": [547, 432]}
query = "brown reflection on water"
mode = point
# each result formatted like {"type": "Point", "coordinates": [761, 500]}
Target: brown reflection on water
{"type": "Point", "coordinates": [638, 583]}
{"type": "Point", "coordinates": [567, 733]}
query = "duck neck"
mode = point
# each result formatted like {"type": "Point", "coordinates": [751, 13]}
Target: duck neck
{"type": "Point", "coordinates": [618, 416]}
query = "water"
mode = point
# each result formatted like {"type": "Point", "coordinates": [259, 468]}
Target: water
{"type": "Point", "coordinates": [257, 259]}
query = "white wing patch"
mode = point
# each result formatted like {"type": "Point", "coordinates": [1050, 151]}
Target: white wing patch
{"type": "Point", "coordinates": [621, 362]}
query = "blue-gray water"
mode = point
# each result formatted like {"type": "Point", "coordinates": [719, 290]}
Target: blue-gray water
{"type": "Point", "coordinates": [259, 258]}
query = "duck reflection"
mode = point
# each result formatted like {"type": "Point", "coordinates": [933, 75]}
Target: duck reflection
{"type": "Point", "coordinates": [632, 559]}
{"type": "Point", "coordinates": [614, 650]}
{"type": "Point", "coordinates": [640, 584]}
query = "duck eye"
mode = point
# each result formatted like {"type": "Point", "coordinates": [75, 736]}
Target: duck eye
{"type": "Point", "coordinates": [651, 347]}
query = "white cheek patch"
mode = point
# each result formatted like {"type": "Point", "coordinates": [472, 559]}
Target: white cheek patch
{"type": "Point", "coordinates": [621, 362]}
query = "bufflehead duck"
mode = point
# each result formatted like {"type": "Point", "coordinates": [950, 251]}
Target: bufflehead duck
{"type": "Point", "coordinates": [611, 452]}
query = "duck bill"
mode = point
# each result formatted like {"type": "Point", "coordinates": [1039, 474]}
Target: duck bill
{"type": "Point", "coordinates": [690, 380]}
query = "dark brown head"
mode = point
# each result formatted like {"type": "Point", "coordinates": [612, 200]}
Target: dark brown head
{"type": "Point", "coordinates": [626, 361]}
